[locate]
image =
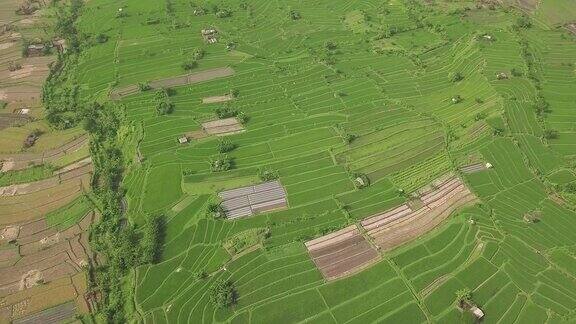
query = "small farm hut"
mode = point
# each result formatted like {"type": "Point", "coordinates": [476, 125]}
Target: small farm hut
{"type": "Point", "coordinates": [183, 140]}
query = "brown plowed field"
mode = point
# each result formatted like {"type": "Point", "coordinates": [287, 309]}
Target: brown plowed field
{"type": "Point", "coordinates": [399, 225]}
{"type": "Point", "coordinates": [341, 253]}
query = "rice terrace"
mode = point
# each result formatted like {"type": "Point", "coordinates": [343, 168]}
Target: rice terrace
{"type": "Point", "coordinates": [287, 161]}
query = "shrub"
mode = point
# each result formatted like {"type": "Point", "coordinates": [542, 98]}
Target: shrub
{"type": "Point", "coordinates": [144, 86]}
{"type": "Point", "coordinates": [3, 104]}
{"type": "Point", "coordinates": [223, 294]}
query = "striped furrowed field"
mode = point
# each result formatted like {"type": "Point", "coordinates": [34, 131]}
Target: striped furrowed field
{"type": "Point", "coordinates": [395, 93]}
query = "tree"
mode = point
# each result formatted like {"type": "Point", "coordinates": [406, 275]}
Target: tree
{"type": "Point", "coordinates": [221, 163]}
{"type": "Point", "coordinates": [523, 22]}
{"type": "Point", "coordinates": [198, 54]}
{"type": "Point", "coordinates": [295, 15]}
{"type": "Point", "coordinates": [223, 13]}
{"type": "Point", "coordinates": [153, 238]}
{"type": "Point", "coordinates": [216, 210]}
{"type": "Point", "coordinates": [189, 65]}
{"type": "Point", "coordinates": [457, 99]}
{"type": "Point", "coordinates": [349, 138]}
{"type": "Point", "coordinates": [226, 112]}
{"type": "Point", "coordinates": [164, 108]}
{"type": "Point", "coordinates": [225, 146]}
{"type": "Point", "coordinates": [223, 294]}
{"type": "Point", "coordinates": [268, 174]}
{"type": "Point", "coordinates": [516, 72]}
{"type": "Point", "coordinates": [463, 296]}
{"type": "Point", "coordinates": [101, 38]}
{"type": "Point", "coordinates": [242, 117]}
{"type": "Point", "coordinates": [533, 216]}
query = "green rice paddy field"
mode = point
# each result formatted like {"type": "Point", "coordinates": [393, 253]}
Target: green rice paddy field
{"type": "Point", "coordinates": [417, 87]}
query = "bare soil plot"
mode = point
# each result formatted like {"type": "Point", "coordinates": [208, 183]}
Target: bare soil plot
{"type": "Point", "coordinates": [473, 168]}
{"type": "Point", "coordinates": [217, 99]}
{"type": "Point", "coordinates": [247, 201]}
{"type": "Point", "coordinates": [56, 314]}
{"type": "Point", "coordinates": [341, 253]}
{"type": "Point", "coordinates": [221, 127]}
{"type": "Point", "coordinates": [176, 81]}
{"type": "Point", "coordinates": [402, 224]}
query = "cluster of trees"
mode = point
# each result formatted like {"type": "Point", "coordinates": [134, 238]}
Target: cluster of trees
{"type": "Point", "coordinates": [124, 245]}
{"type": "Point", "coordinates": [60, 91]}
{"type": "Point", "coordinates": [164, 105]}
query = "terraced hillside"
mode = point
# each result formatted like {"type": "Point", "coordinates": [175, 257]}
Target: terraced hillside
{"type": "Point", "coordinates": [46, 205]}
{"type": "Point", "coordinates": [333, 161]}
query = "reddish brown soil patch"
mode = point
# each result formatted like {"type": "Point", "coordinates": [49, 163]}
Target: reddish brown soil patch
{"type": "Point", "coordinates": [341, 253]}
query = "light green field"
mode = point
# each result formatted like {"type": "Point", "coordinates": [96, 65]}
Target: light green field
{"type": "Point", "coordinates": [382, 74]}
